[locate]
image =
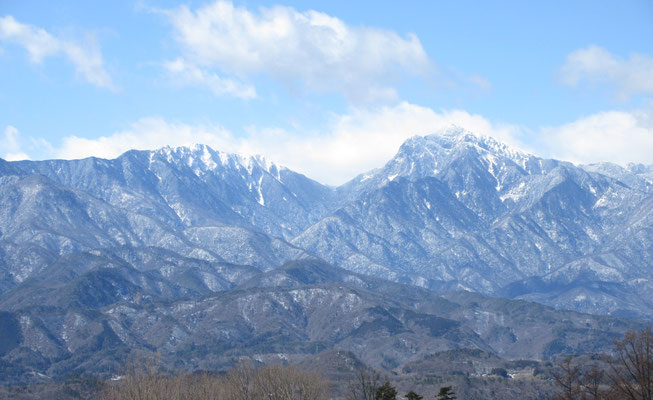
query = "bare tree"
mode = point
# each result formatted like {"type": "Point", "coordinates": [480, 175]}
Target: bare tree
{"type": "Point", "coordinates": [200, 387]}
{"type": "Point", "coordinates": [631, 372]}
{"type": "Point", "coordinates": [578, 383]}
{"type": "Point", "coordinates": [310, 386]}
{"type": "Point", "coordinates": [567, 378]}
{"type": "Point", "coordinates": [242, 383]}
{"type": "Point", "coordinates": [141, 381]}
{"type": "Point", "coordinates": [239, 384]}
{"type": "Point", "coordinates": [274, 384]}
{"type": "Point", "coordinates": [364, 385]}
{"type": "Point", "coordinates": [288, 383]}
{"type": "Point", "coordinates": [630, 375]}
{"type": "Point", "coordinates": [593, 384]}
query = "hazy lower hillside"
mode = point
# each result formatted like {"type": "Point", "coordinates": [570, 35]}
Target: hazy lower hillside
{"type": "Point", "coordinates": [93, 322]}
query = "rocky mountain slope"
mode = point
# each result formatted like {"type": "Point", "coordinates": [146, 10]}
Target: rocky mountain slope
{"type": "Point", "coordinates": [208, 256]}
{"type": "Point", "coordinates": [93, 322]}
{"type": "Point", "coordinates": [460, 209]}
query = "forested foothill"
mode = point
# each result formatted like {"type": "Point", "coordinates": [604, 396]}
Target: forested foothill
{"type": "Point", "coordinates": [626, 373]}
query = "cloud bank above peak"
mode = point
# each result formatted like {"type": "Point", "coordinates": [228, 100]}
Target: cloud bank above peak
{"type": "Point", "coordinates": [308, 50]}
{"type": "Point", "coordinates": [365, 138]}
{"type": "Point", "coordinates": [621, 137]}
{"type": "Point", "coordinates": [353, 143]}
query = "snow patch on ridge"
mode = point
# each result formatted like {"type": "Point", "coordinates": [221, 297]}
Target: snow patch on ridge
{"type": "Point", "coordinates": [261, 200]}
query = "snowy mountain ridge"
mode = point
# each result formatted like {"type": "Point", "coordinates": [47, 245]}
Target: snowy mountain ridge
{"type": "Point", "coordinates": [207, 256]}
{"type": "Point", "coordinates": [202, 158]}
{"type": "Point", "coordinates": [450, 210]}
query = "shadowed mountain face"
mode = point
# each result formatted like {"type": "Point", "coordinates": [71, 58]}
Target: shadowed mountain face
{"type": "Point", "coordinates": [92, 322]}
{"type": "Point", "coordinates": [193, 251]}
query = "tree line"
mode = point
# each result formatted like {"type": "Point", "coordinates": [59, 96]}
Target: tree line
{"type": "Point", "coordinates": [245, 382]}
{"type": "Point", "coordinates": [627, 374]}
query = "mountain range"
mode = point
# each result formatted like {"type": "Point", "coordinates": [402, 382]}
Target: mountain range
{"type": "Point", "coordinates": [208, 256]}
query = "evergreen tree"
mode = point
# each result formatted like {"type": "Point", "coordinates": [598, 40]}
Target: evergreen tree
{"type": "Point", "coordinates": [386, 392]}
{"type": "Point", "coordinates": [413, 396]}
{"type": "Point", "coordinates": [446, 393]}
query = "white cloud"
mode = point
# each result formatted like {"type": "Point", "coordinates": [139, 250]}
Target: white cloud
{"type": "Point", "coordinates": [307, 49]}
{"type": "Point", "coordinates": [595, 65]}
{"type": "Point", "coordinates": [86, 57]}
{"type": "Point", "coordinates": [188, 74]}
{"type": "Point", "coordinates": [481, 82]}
{"type": "Point", "coordinates": [10, 140]}
{"type": "Point", "coordinates": [16, 156]}
{"type": "Point", "coordinates": [145, 134]}
{"type": "Point", "coordinates": [10, 143]}
{"type": "Point", "coordinates": [364, 139]}
{"type": "Point", "coordinates": [616, 136]}
{"type": "Point", "coordinates": [352, 144]}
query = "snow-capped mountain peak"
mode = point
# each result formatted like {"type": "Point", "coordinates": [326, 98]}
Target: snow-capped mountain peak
{"type": "Point", "coordinates": [450, 150]}
{"type": "Point", "coordinates": [456, 142]}
{"type": "Point", "coordinates": [450, 208]}
{"type": "Point", "coordinates": [202, 159]}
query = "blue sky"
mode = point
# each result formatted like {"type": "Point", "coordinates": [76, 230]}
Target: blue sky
{"type": "Point", "coordinates": [330, 89]}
